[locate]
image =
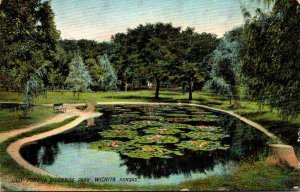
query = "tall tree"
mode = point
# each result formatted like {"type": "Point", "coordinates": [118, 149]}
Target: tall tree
{"type": "Point", "coordinates": [226, 65]}
{"type": "Point", "coordinates": [271, 57]}
{"type": "Point", "coordinates": [28, 37]}
{"type": "Point", "coordinates": [107, 79]}
{"type": "Point", "coordinates": [79, 78]}
{"type": "Point", "coordinates": [192, 48]}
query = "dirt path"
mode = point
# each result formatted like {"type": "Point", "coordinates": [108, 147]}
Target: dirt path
{"type": "Point", "coordinates": [13, 148]}
{"type": "Point", "coordinates": [56, 119]}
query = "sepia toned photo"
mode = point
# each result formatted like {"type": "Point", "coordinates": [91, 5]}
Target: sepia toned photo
{"type": "Point", "coordinates": [149, 95]}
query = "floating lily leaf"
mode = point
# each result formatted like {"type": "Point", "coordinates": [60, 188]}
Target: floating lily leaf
{"type": "Point", "coordinates": [128, 126]}
{"type": "Point", "coordinates": [112, 145]}
{"type": "Point", "coordinates": [158, 139]}
{"type": "Point", "coordinates": [202, 113]}
{"type": "Point", "coordinates": [119, 133]}
{"type": "Point", "coordinates": [201, 119]}
{"type": "Point", "coordinates": [204, 135]}
{"type": "Point", "coordinates": [142, 124]}
{"type": "Point", "coordinates": [201, 145]}
{"type": "Point", "coordinates": [180, 115]}
{"type": "Point", "coordinates": [157, 118]}
{"type": "Point", "coordinates": [150, 151]}
{"type": "Point", "coordinates": [205, 128]}
{"type": "Point", "coordinates": [162, 131]}
{"type": "Point", "coordinates": [176, 119]}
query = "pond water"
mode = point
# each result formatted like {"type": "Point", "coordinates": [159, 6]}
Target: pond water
{"type": "Point", "coordinates": [148, 145]}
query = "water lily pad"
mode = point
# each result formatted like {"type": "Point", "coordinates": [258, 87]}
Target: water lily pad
{"type": "Point", "coordinates": [111, 145]}
{"type": "Point", "coordinates": [201, 119]}
{"type": "Point", "coordinates": [162, 131]}
{"type": "Point", "coordinates": [205, 128]}
{"type": "Point", "coordinates": [202, 145]}
{"type": "Point", "coordinates": [150, 151]}
{"type": "Point", "coordinates": [119, 133]}
{"type": "Point", "coordinates": [150, 118]}
{"type": "Point", "coordinates": [202, 113]}
{"type": "Point", "coordinates": [180, 115]}
{"type": "Point", "coordinates": [158, 139]}
{"type": "Point", "coordinates": [204, 135]}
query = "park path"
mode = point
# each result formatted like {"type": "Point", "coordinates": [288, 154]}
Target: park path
{"type": "Point", "coordinates": [14, 148]}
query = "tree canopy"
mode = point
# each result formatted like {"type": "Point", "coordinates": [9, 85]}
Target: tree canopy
{"type": "Point", "coordinates": [271, 57]}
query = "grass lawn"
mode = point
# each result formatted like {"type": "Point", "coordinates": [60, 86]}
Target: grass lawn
{"type": "Point", "coordinates": [9, 121]}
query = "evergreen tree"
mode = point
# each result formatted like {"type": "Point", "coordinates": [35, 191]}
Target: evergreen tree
{"type": "Point", "coordinates": [79, 78]}
{"type": "Point", "coordinates": [107, 79]}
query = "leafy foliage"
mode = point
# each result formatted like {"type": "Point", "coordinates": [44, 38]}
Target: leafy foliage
{"type": "Point", "coordinates": [28, 40]}
{"type": "Point", "coordinates": [271, 57]}
{"type": "Point", "coordinates": [226, 66]}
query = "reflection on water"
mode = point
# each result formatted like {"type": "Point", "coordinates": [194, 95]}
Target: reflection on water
{"type": "Point", "coordinates": [68, 155]}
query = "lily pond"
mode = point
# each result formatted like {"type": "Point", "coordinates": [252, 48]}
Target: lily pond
{"type": "Point", "coordinates": [148, 145]}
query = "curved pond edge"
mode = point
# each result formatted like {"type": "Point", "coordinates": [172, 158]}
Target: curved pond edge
{"type": "Point", "coordinates": [14, 148]}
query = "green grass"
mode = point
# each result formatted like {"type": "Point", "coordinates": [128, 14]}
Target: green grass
{"type": "Point", "coordinates": [138, 96]}
{"type": "Point", "coordinates": [9, 120]}
{"type": "Point", "coordinates": [249, 176]}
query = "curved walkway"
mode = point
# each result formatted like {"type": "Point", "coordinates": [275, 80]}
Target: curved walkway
{"type": "Point", "coordinates": [14, 148]}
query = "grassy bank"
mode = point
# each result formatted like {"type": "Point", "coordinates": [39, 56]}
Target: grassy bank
{"type": "Point", "coordinates": [10, 121]}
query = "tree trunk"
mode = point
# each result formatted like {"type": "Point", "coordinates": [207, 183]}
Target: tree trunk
{"type": "Point", "coordinates": [6, 88]}
{"type": "Point", "coordinates": [157, 88]}
{"type": "Point", "coordinates": [183, 87]}
{"type": "Point", "coordinates": [190, 83]}
{"type": "Point", "coordinates": [132, 82]}
{"type": "Point", "coordinates": [73, 93]}
{"type": "Point", "coordinates": [78, 95]}
{"type": "Point", "coordinates": [126, 85]}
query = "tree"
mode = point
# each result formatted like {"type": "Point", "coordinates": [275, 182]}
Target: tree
{"type": "Point", "coordinates": [190, 73]}
{"type": "Point", "coordinates": [79, 78]}
{"type": "Point", "coordinates": [107, 79]}
{"type": "Point", "coordinates": [33, 88]}
{"type": "Point", "coordinates": [271, 57]}
{"type": "Point", "coordinates": [120, 57]}
{"type": "Point", "coordinates": [193, 48]}
{"type": "Point", "coordinates": [28, 38]}
{"type": "Point", "coordinates": [226, 66]}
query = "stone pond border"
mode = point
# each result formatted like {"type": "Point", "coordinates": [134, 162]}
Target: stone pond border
{"type": "Point", "coordinates": [14, 148]}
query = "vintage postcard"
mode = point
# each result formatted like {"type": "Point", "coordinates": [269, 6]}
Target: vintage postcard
{"type": "Point", "coordinates": [158, 95]}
